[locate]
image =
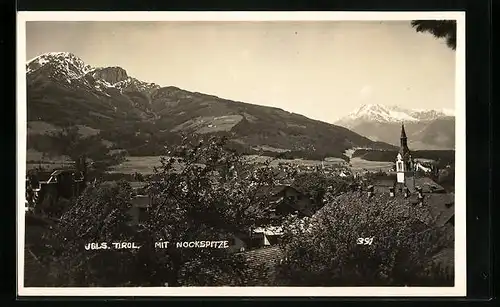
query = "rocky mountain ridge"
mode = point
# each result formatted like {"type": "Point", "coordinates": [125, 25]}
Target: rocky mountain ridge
{"type": "Point", "coordinates": [141, 117]}
{"type": "Point", "coordinates": [426, 129]}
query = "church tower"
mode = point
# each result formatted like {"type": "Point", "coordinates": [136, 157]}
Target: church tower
{"type": "Point", "coordinates": [404, 162]}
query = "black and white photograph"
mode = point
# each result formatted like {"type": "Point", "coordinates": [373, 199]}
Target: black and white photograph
{"type": "Point", "coordinates": [263, 154]}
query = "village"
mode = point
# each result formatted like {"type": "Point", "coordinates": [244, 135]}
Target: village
{"type": "Point", "coordinates": [409, 186]}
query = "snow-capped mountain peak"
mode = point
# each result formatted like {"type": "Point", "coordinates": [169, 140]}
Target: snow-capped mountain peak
{"type": "Point", "coordinates": [65, 62]}
{"type": "Point", "coordinates": [390, 114]}
{"type": "Point", "coordinates": [381, 113]}
{"type": "Point", "coordinates": [447, 112]}
{"type": "Point", "coordinates": [68, 68]}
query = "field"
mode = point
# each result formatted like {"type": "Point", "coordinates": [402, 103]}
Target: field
{"type": "Point", "coordinates": [443, 157]}
{"type": "Point", "coordinates": [35, 159]}
{"type": "Point", "coordinates": [146, 164]}
{"type": "Point", "coordinates": [31, 166]}
{"type": "Point", "coordinates": [330, 162]}
{"type": "Point", "coordinates": [44, 128]}
{"type": "Point", "coordinates": [143, 165]}
{"type": "Point", "coordinates": [358, 164]}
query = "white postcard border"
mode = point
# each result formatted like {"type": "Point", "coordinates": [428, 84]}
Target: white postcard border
{"type": "Point", "coordinates": [460, 201]}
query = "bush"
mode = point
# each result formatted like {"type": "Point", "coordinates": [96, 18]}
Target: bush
{"type": "Point", "coordinates": [214, 195]}
{"type": "Point", "coordinates": [323, 250]}
{"type": "Point", "coordinates": [100, 214]}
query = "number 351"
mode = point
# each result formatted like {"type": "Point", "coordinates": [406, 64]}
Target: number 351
{"type": "Point", "coordinates": [365, 241]}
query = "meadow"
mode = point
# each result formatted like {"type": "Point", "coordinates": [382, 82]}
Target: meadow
{"type": "Point", "coordinates": [35, 159]}
{"type": "Point", "coordinates": [358, 164]}
{"type": "Point", "coordinates": [146, 164]}
{"type": "Point", "coordinates": [143, 165]}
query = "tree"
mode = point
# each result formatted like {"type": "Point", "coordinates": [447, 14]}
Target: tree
{"type": "Point", "coordinates": [318, 184]}
{"type": "Point", "coordinates": [68, 140]}
{"type": "Point", "coordinates": [207, 194]}
{"type": "Point", "coordinates": [446, 29]}
{"type": "Point", "coordinates": [138, 177]}
{"type": "Point", "coordinates": [324, 250]}
{"type": "Point", "coordinates": [100, 214]}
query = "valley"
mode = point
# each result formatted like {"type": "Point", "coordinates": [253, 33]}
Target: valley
{"type": "Point", "coordinates": [116, 112]}
{"type": "Point", "coordinates": [124, 125]}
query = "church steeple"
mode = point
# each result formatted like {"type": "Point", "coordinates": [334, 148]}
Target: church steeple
{"type": "Point", "coordinates": [403, 149]}
{"type": "Point", "coordinates": [403, 132]}
{"type": "Point", "coordinates": [404, 161]}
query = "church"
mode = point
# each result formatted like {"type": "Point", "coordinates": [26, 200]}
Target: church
{"type": "Point", "coordinates": [407, 175]}
{"type": "Point", "coordinates": [405, 165]}
{"type": "Point", "coordinates": [408, 182]}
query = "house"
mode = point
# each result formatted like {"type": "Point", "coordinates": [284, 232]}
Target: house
{"type": "Point", "coordinates": [428, 185]}
{"type": "Point", "coordinates": [383, 184]}
{"type": "Point", "coordinates": [282, 200]}
{"type": "Point", "coordinates": [426, 166]}
{"type": "Point", "coordinates": [262, 265]}
{"type": "Point", "coordinates": [253, 238]}
{"type": "Point", "coordinates": [62, 183]}
{"type": "Point", "coordinates": [268, 235]}
{"type": "Point", "coordinates": [286, 199]}
{"type": "Point", "coordinates": [344, 174]}
{"type": "Point", "coordinates": [441, 207]}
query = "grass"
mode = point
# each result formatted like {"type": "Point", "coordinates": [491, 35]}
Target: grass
{"type": "Point", "coordinates": [210, 124]}
{"type": "Point", "coordinates": [49, 166]}
{"type": "Point", "coordinates": [143, 165]}
{"type": "Point", "coordinates": [34, 155]}
{"type": "Point", "coordinates": [300, 162]}
{"type": "Point", "coordinates": [87, 131]}
{"type": "Point", "coordinates": [358, 164]}
{"type": "Point", "coordinates": [146, 164]}
{"type": "Point", "coordinates": [41, 127]}
{"type": "Point", "coordinates": [35, 159]}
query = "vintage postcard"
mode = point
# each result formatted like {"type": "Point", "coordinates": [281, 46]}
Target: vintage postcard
{"type": "Point", "coordinates": [241, 154]}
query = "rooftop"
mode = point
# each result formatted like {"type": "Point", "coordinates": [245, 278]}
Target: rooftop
{"type": "Point", "coordinates": [445, 260]}
{"type": "Point", "coordinates": [262, 262]}
{"type": "Point", "coordinates": [62, 171]}
{"type": "Point", "coordinates": [432, 210]}
{"type": "Point", "coordinates": [428, 185]}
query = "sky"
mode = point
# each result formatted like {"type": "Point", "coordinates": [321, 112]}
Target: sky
{"type": "Point", "coordinates": [321, 69]}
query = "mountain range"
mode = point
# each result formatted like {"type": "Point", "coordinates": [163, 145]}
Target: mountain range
{"type": "Point", "coordinates": [425, 129]}
{"type": "Point", "coordinates": [142, 117]}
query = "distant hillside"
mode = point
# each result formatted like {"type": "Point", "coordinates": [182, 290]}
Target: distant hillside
{"type": "Point", "coordinates": [431, 129]}
{"type": "Point", "coordinates": [443, 157]}
{"type": "Point", "coordinates": [125, 113]}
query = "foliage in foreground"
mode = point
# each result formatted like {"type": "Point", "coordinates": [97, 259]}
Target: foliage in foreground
{"type": "Point", "coordinates": [212, 196]}
{"type": "Point", "coordinates": [215, 194]}
{"type": "Point", "coordinates": [324, 250]}
{"type": "Point", "coordinates": [446, 29]}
